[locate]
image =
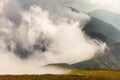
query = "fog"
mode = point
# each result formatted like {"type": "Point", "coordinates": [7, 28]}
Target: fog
{"type": "Point", "coordinates": [91, 5]}
{"type": "Point", "coordinates": [40, 32]}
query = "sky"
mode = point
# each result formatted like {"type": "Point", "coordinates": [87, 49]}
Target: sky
{"type": "Point", "coordinates": [90, 5]}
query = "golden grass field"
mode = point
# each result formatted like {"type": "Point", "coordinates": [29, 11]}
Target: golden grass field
{"type": "Point", "coordinates": [73, 75]}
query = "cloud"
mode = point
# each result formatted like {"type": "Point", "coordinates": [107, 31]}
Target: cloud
{"type": "Point", "coordinates": [87, 6]}
{"type": "Point", "coordinates": [40, 32]}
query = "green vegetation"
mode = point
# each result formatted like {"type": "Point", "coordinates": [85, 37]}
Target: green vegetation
{"type": "Point", "coordinates": [97, 74]}
{"type": "Point", "coordinates": [73, 75]}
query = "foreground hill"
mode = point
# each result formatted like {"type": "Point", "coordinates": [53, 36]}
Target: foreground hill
{"type": "Point", "coordinates": [72, 75]}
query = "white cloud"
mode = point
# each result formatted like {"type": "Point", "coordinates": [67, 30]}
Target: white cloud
{"type": "Point", "coordinates": [90, 5]}
{"type": "Point", "coordinates": [58, 40]}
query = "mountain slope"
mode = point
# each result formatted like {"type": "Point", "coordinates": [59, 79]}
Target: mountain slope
{"type": "Point", "coordinates": [107, 16]}
{"type": "Point", "coordinates": [107, 33]}
{"type": "Point", "coordinates": [109, 60]}
{"type": "Point", "coordinates": [99, 36]}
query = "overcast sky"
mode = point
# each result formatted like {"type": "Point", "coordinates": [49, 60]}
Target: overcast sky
{"type": "Point", "coordinates": [90, 5]}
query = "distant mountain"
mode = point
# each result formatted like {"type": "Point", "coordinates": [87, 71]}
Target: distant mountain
{"type": "Point", "coordinates": [102, 37]}
{"type": "Point", "coordinates": [109, 60]}
{"type": "Point", "coordinates": [99, 29]}
{"type": "Point", "coordinates": [107, 16]}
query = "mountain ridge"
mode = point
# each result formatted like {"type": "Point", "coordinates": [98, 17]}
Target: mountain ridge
{"type": "Point", "coordinates": [110, 17]}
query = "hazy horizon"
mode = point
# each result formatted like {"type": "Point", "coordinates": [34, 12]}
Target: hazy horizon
{"type": "Point", "coordinates": [91, 5]}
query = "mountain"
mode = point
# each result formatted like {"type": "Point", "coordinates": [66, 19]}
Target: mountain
{"type": "Point", "coordinates": [99, 29]}
{"type": "Point", "coordinates": [107, 16]}
{"type": "Point", "coordinates": [108, 60]}
{"type": "Point", "coordinates": [102, 37]}
{"type": "Point", "coordinates": [103, 26]}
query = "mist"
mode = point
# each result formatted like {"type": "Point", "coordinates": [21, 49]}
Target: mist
{"type": "Point", "coordinates": [37, 33]}
{"type": "Point", "coordinates": [91, 5]}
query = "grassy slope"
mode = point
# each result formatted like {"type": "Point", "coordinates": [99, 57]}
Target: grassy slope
{"type": "Point", "coordinates": [98, 74]}
{"type": "Point", "coordinates": [73, 75]}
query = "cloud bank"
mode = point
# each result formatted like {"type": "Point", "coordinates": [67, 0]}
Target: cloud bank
{"type": "Point", "coordinates": [91, 5]}
{"type": "Point", "coordinates": [37, 33]}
